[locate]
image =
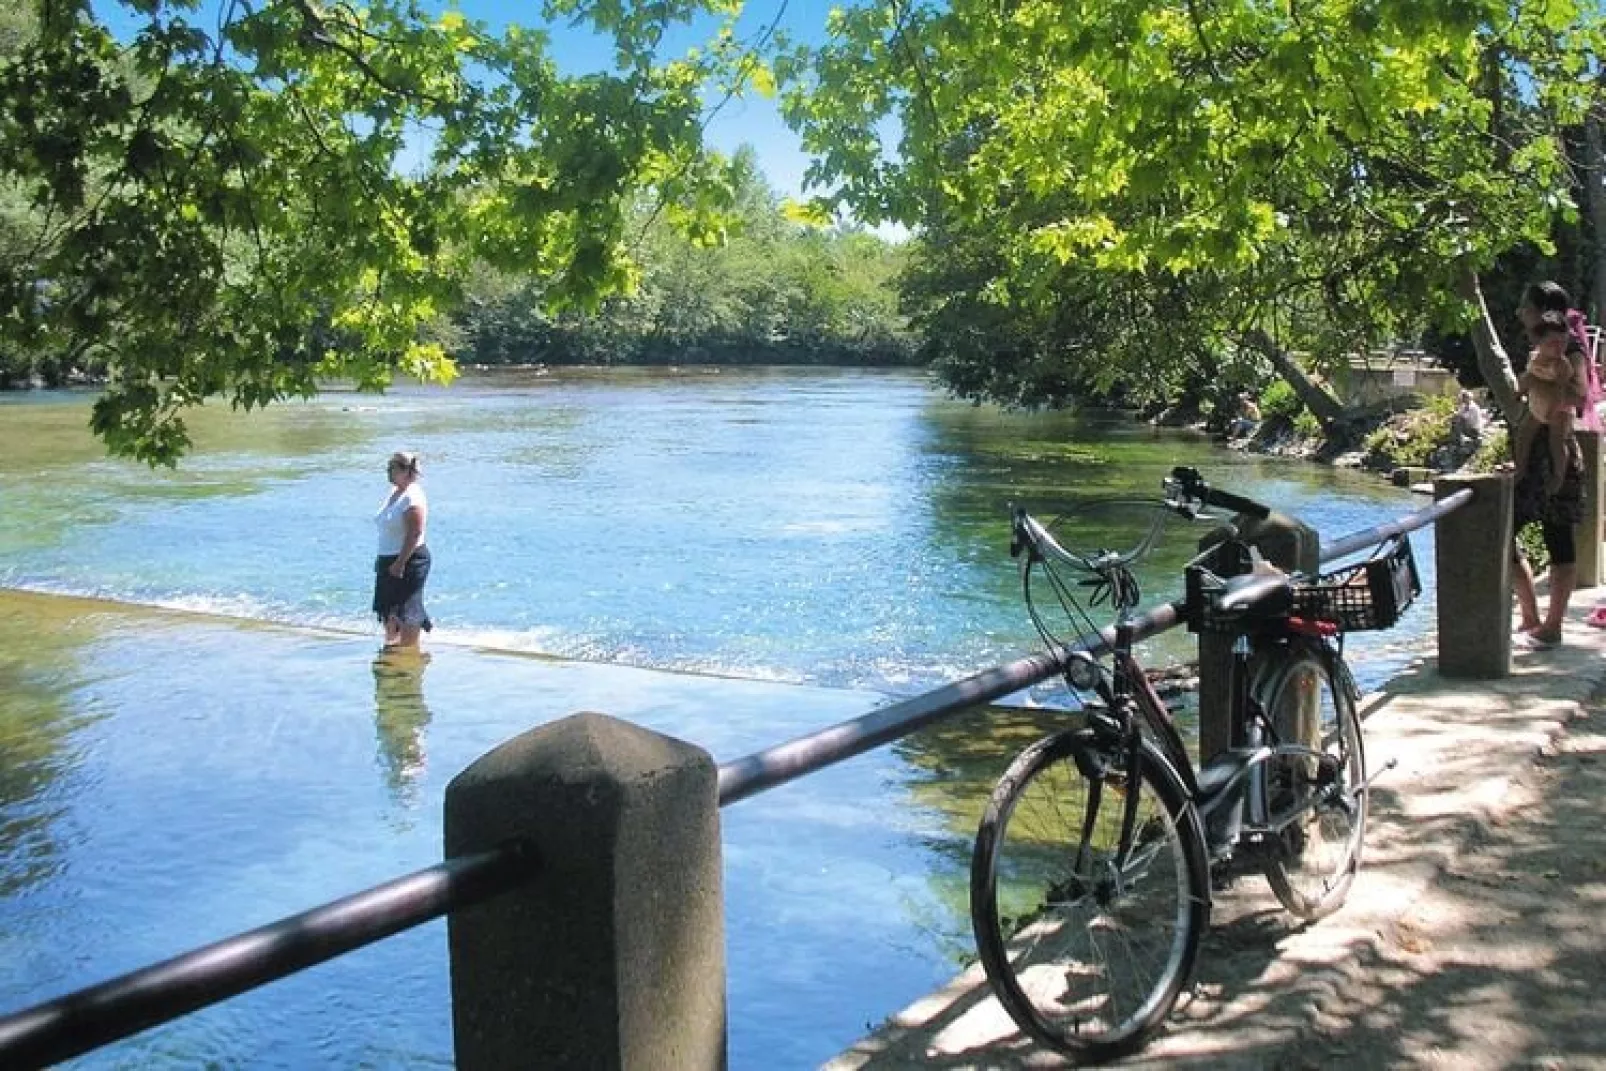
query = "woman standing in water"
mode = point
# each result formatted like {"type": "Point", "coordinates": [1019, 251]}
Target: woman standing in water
{"type": "Point", "coordinates": [402, 566]}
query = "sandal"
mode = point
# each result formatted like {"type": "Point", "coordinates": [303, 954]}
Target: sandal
{"type": "Point", "coordinates": [1534, 641]}
{"type": "Point", "coordinates": [1597, 617]}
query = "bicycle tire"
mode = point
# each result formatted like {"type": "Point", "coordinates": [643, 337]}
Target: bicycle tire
{"type": "Point", "coordinates": [1316, 860]}
{"type": "Point", "coordinates": [1042, 958]}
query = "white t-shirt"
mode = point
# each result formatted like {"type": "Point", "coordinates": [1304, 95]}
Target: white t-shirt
{"type": "Point", "coordinates": [391, 522]}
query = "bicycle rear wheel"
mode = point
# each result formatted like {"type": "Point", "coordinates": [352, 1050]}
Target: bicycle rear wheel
{"type": "Point", "coordinates": [1309, 703]}
{"type": "Point", "coordinates": [1087, 941]}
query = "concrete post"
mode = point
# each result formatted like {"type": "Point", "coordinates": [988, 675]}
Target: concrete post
{"type": "Point", "coordinates": [1591, 530]}
{"type": "Point", "coordinates": [1215, 697]}
{"type": "Point", "coordinates": [1286, 543]}
{"type": "Point", "coordinates": [1472, 549]}
{"type": "Point", "coordinates": [613, 958]}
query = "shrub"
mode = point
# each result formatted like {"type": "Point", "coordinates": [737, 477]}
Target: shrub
{"type": "Point", "coordinates": [1279, 400]}
{"type": "Point", "coordinates": [1411, 439]}
{"type": "Point", "coordinates": [1492, 452]}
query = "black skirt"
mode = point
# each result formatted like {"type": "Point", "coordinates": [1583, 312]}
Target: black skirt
{"type": "Point", "coordinates": [1563, 508]}
{"type": "Point", "coordinates": [402, 597]}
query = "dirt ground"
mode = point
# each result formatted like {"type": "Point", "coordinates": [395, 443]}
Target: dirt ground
{"type": "Point", "coordinates": [1497, 959]}
{"type": "Point", "coordinates": [1475, 936]}
{"type": "Point", "coordinates": [1501, 963]}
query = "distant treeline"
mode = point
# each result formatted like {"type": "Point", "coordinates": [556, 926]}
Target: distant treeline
{"type": "Point", "coordinates": [769, 291]}
{"type": "Point", "coordinates": [772, 291]}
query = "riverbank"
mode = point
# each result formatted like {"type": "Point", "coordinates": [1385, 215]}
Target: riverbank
{"type": "Point", "coordinates": [1470, 940]}
{"type": "Point", "coordinates": [1408, 447]}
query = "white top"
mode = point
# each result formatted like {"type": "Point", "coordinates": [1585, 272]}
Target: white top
{"type": "Point", "coordinates": [391, 523]}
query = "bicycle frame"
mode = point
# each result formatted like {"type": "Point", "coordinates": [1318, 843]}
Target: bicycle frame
{"type": "Point", "coordinates": [1129, 695]}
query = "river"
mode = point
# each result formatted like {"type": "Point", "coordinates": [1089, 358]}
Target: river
{"type": "Point", "coordinates": [195, 737]}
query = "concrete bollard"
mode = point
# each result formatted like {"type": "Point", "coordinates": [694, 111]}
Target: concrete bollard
{"type": "Point", "coordinates": [613, 959]}
{"type": "Point", "coordinates": [1286, 543]}
{"type": "Point", "coordinates": [1591, 529]}
{"type": "Point", "coordinates": [1472, 549]}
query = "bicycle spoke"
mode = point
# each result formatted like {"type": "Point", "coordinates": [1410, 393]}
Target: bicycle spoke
{"type": "Point", "coordinates": [1094, 936]}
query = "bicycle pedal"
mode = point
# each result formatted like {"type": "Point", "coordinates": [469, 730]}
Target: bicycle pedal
{"type": "Point", "coordinates": [1223, 878]}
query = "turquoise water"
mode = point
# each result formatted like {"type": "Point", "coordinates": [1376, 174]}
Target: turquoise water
{"type": "Point", "coordinates": [794, 546]}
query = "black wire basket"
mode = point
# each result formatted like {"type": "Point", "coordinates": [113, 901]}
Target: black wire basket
{"type": "Point", "coordinates": [1365, 596]}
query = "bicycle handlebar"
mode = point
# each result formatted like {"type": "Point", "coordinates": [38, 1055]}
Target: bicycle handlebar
{"type": "Point", "coordinates": [1186, 491]}
{"type": "Point", "coordinates": [1185, 486]}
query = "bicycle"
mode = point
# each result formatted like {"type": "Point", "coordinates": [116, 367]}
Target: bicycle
{"type": "Point", "coordinates": [1091, 878]}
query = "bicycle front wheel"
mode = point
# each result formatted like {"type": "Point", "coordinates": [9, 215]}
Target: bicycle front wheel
{"type": "Point", "coordinates": [1315, 784]}
{"type": "Point", "coordinates": [1088, 894]}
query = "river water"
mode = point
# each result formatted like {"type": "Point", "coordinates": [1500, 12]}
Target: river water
{"type": "Point", "coordinates": [196, 738]}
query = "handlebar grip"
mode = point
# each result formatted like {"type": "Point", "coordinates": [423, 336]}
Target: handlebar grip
{"type": "Point", "coordinates": [1236, 503]}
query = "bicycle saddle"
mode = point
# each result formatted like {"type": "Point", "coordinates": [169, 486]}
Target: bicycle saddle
{"type": "Point", "coordinates": [1257, 594]}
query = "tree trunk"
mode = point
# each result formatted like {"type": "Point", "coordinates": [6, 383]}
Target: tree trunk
{"type": "Point", "coordinates": [1493, 361]}
{"type": "Point", "coordinates": [1594, 173]}
{"type": "Point", "coordinates": [1323, 406]}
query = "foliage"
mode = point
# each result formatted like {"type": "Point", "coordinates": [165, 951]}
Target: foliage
{"type": "Point", "coordinates": [221, 201]}
{"type": "Point", "coordinates": [1320, 172]}
{"type": "Point", "coordinates": [1279, 400]}
{"type": "Point", "coordinates": [772, 291]}
{"type": "Point", "coordinates": [1411, 440]}
{"type": "Point", "coordinates": [1493, 451]}
{"type": "Point", "coordinates": [1306, 426]}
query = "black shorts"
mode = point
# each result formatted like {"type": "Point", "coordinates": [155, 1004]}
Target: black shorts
{"type": "Point", "coordinates": [402, 597]}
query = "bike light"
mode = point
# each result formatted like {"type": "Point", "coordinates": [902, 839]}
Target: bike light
{"type": "Point", "coordinates": [1082, 671]}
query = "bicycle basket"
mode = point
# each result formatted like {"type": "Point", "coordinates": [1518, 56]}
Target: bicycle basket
{"type": "Point", "coordinates": [1364, 596]}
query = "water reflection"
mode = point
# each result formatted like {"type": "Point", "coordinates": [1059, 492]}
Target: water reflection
{"type": "Point", "coordinates": [39, 673]}
{"type": "Point", "coordinates": [400, 715]}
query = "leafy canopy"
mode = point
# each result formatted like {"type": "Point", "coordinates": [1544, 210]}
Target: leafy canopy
{"type": "Point", "coordinates": [1315, 173]}
{"type": "Point", "coordinates": [246, 198]}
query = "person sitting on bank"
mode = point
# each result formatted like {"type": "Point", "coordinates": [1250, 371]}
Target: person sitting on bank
{"type": "Point", "coordinates": [1248, 417]}
{"type": "Point", "coordinates": [1468, 421]}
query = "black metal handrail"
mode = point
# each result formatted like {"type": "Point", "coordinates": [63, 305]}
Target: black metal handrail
{"type": "Point", "coordinates": [72, 1025]}
{"type": "Point", "coordinates": [774, 766]}
{"type": "Point", "coordinates": [764, 770]}
{"type": "Point", "coordinates": [85, 1020]}
{"type": "Point", "coordinates": [1343, 548]}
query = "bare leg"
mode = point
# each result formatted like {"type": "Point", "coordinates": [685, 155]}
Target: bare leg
{"type": "Point", "coordinates": [1522, 582]}
{"type": "Point", "coordinates": [393, 631]}
{"type": "Point", "coordinates": [1563, 578]}
{"type": "Point", "coordinates": [409, 636]}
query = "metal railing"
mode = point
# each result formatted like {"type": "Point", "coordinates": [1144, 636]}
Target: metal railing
{"type": "Point", "coordinates": [774, 766]}
{"type": "Point", "coordinates": [79, 1022]}
{"type": "Point", "coordinates": [85, 1020]}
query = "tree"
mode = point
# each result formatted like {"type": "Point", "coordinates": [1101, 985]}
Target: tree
{"type": "Point", "coordinates": [1314, 177]}
{"type": "Point", "coordinates": [222, 202]}
{"type": "Point", "coordinates": [767, 289]}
